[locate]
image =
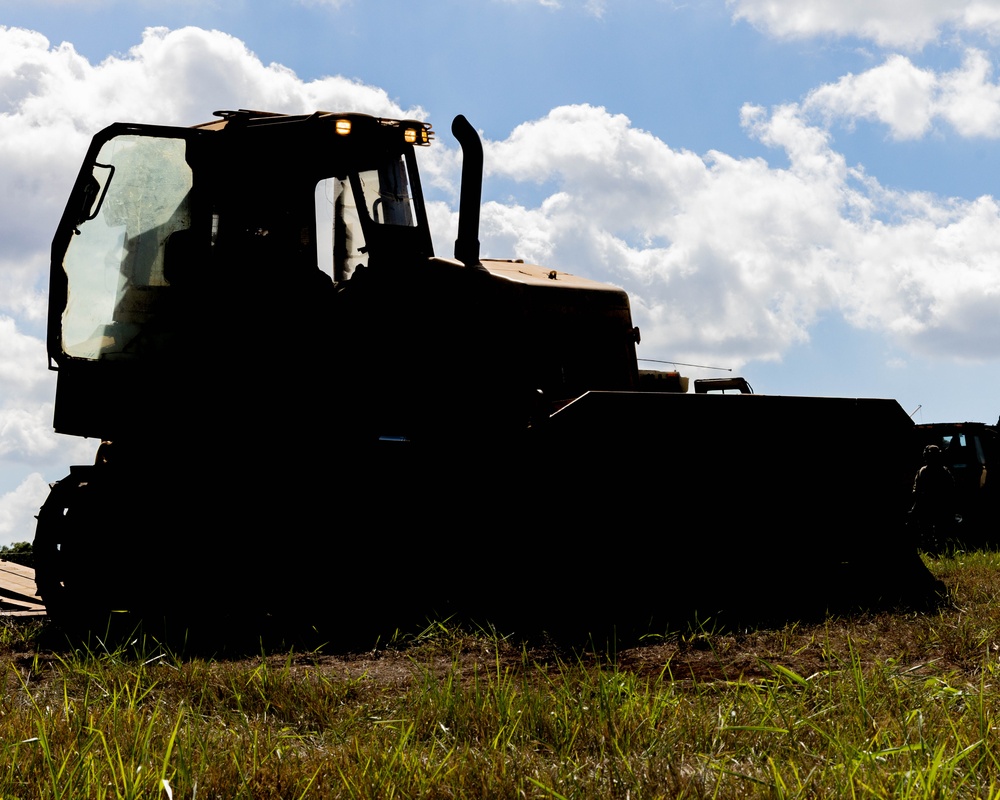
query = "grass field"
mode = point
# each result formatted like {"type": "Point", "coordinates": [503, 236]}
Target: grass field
{"type": "Point", "coordinates": [879, 705]}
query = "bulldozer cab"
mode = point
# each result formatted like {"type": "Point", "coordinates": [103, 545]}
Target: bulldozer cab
{"type": "Point", "coordinates": [174, 239]}
{"type": "Point", "coordinates": [148, 199]}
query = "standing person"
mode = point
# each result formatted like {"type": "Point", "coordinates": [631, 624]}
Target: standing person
{"type": "Point", "coordinates": [933, 508]}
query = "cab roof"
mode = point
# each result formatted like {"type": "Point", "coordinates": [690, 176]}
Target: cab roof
{"type": "Point", "coordinates": [415, 131]}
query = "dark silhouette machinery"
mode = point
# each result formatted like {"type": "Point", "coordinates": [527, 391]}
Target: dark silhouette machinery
{"type": "Point", "coordinates": [303, 411]}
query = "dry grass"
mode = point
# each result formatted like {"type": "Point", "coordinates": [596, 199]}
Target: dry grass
{"type": "Point", "coordinates": [874, 706]}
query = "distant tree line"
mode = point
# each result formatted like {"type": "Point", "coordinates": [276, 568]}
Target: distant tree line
{"type": "Point", "coordinates": [18, 553]}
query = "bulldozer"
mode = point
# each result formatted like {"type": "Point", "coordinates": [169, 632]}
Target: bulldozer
{"type": "Point", "coordinates": [304, 413]}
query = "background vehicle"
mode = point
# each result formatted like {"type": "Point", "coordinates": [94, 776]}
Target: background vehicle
{"type": "Point", "coordinates": [722, 385]}
{"type": "Point", "coordinates": [306, 413]}
{"type": "Point", "coordinates": [970, 451]}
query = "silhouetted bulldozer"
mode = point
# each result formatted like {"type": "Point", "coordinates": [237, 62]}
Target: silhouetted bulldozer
{"type": "Point", "coordinates": [306, 414]}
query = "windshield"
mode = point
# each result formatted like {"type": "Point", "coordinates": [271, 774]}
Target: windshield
{"type": "Point", "coordinates": [136, 198]}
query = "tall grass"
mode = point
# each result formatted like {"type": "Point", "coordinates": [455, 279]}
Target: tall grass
{"type": "Point", "coordinates": [875, 706]}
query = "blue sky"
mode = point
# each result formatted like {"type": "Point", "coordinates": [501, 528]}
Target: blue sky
{"type": "Point", "coordinates": [800, 190]}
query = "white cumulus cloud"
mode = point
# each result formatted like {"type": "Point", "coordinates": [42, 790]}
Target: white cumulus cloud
{"type": "Point", "coordinates": [911, 100]}
{"type": "Point", "coordinates": [18, 509]}
{"type": "Point", "coordinates": [888, 23]}
{"type": "Point", "coordinates": [733, 258]}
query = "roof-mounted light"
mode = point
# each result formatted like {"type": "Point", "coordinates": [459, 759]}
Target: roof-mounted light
{"type": "Point", "coordinates": [413, 131]}
{"type": "Point", "coordinates": [416, 135]}
{"type": "Point", "coordinates": [409, 131]}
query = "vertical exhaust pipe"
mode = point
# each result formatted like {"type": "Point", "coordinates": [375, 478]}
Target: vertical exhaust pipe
{"type": "Point", "coordinates": [467, 243]}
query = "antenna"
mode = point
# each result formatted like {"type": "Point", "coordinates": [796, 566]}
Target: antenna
{"type": "Point", "coordinates": [682, 364]}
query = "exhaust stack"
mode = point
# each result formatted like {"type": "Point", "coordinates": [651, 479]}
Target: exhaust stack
{"type": "Point", "coordinates": [467, 243]}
